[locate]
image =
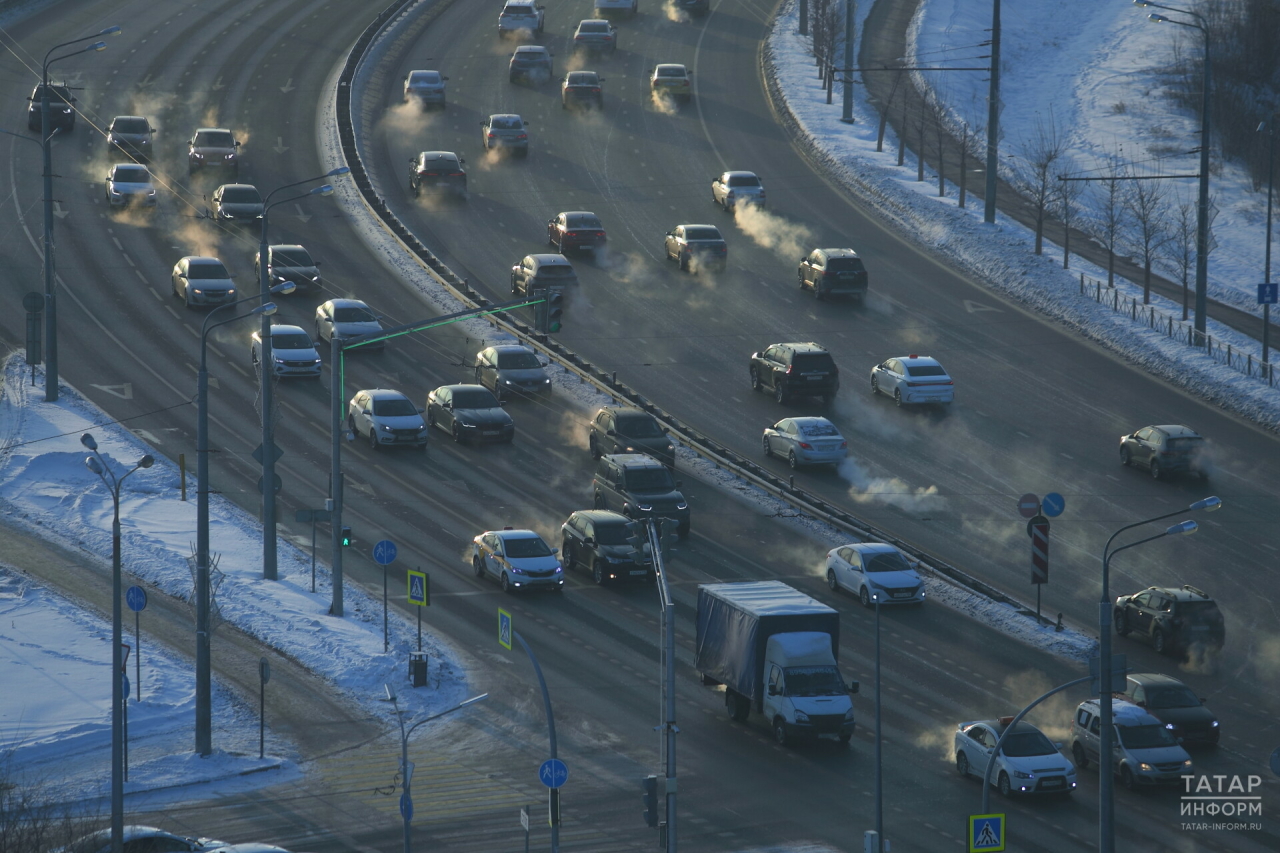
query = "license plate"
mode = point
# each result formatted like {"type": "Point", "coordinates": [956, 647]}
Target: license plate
{"type": "Point", "coordinates": [639, 573]}
{"type": "Point", "coordinates": [814, 378]}
{"type": "Point", "coordinates": [490, 431]}
{"type": "Point", "coordinates": [902, 595]}
{"type": "Point", "coordinates": [1051, 783]}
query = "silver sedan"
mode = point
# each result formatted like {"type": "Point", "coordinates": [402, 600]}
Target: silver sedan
{"type": "Point", "coordinates": [805, 441]}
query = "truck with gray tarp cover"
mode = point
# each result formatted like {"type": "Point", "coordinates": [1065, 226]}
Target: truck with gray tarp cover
{"type": "Point", "coordinates": [775, 650]}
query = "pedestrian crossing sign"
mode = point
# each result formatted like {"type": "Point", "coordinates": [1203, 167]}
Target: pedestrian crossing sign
{"type": "Point", "coordinates": [419, 591]}
{"type": "Point", "coordinates": [504, 629]}
{"type": "Point", "coordinates": [986, 833]}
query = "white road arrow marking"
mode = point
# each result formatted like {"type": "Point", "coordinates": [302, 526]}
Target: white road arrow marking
{"type": "Point", "coordinates": [363, 488]}
{"type": "Point", "coordinates": [978, 307]}
{"type": "Point", "coordinates": [280, 147]}
{"type": "Point", "coordinates": [144, 83]}
{"type": "Point", "coordinates": [217, 85]}
{"type": "Point", "coordinates": [303, 216]}
{"type": "Point", "coordinates": [124, 392]}
{"type": "Point", "coordinates": [288, 86]}
{"type": "Point", "coordinates": [59, 212]}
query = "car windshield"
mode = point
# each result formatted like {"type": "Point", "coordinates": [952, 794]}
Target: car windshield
{"type": "Point", "coordinates": [506, 123]}
{"type": "Point", "coordinates": [424, 78]}
{"type": "Point", "coordinates": [582, 220]}
{"type": "Point", "coordinates": [130, 125]}
{"type": "Point", "coordinates": [55, 93]}
{"type": "Point", "coordinates": [394, 408]}
{"type": "Point", "coordinates": [1026, 744]}
{"type": "Point", "coordinates": [844, 265]}
{"type": "Point", "coordinates": [816, 430]}
{"type": "Point", "coordinates": [814, 681]}
{"type": "Point", "coordinates": [529, 546]}
{"type": "Point", "coordinates": [555, 271]}
{"type": "Point", "coordinates": [291, 340]}
{"type": "Point", "coordinates": [650, 480]}
{"type": "Point", "coordinates": [812, 361]}
{"type": "Point", "coordinates": [206, 270]}
{"type": "Point", "coordinates": [593, 27]}
{"type": "Point", "coordinates": [1172, 697]}
{"type": "Point", "coordinates": [744, 181]}
{"type": "Point", "coordinates": [215, 139]}
{"type": "Point", "coordinates": [132, 175]}
{"type": "Point", "coordinates": [584, 78]}
{"type": "Point", "coordinates": [706, 232]}
{"type": "Point", "coordinates": [292, 258]}
{"type": "Point", "coordinates": [670, 71]}
{"type": "Point", "coordinates": [516, 11]}
{"type": "Point", "coordinates": [474, 398]}
{"type": "Point", "coordinates": [353, 314]}
{"type": "Point", "coordinates": [241, 195]}
{"type": "Point", "coordinates": [886, 561]}
{"type": "Point", "coordinates": [1149, 736]}
{"type": "Point", "coordinates": [440, 161]}
{"type": "Point", "coordinates": [641, 427]}
{"type": "Point", "coordinates": [518, 361]}
{"type": "Point", "coordinates": [611, 534]}
{"type": "Point", "coordinates": [925, 370]}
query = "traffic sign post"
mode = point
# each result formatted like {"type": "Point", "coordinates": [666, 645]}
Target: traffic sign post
{"type": "Point", "coordinates": [1038, 529]}
{"type": "Point", "coordinates": [419, 594]}
{"type": "Point", "coordinates": [1053, 505]}
{"type": "Point", "coordinates": [264, 675]}
{"type": "Point", "coordinates": [524, 822]}
{"type": "Point", "coordinates": [314, 516]}
{"type": "Point", "coordinates": [1028, 505]}
{"type": "Point", "coordinates": [553, 773]}
{"type": "Point", "coordinates": [504, 629]}
{"type": "Point", "coordinates": [136, 598]}
{"type": "Point", "coordinates": [384, 554]}
{"type": "Point", "coordinates": [986, 833]}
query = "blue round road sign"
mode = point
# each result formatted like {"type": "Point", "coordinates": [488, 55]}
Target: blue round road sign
{"type": "Point", "coordinates": [406, 807]}
{"type": "Point", "coordinates": [553, 773]}
{"type": "Point", "coordinates": [384, 553]}
{"type": "Point", "coordinates": [136, 598]}
{"type": "Point", "coordinates": [1053, 504]}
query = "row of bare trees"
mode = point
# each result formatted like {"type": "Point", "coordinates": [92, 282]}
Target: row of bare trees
{"type": "Point", "coordinates": [31, 821]}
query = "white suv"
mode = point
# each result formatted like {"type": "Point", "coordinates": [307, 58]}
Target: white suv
{"type": "Point", "coordinates": [521, 16]}
{"type": "Point", "coordinates": [1144, 752]}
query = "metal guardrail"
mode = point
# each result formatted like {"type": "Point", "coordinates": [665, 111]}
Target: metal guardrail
{"type": "Point", "coordinates": [608, 383]}
{"type": "Point", "coordinates": [1180, 330]}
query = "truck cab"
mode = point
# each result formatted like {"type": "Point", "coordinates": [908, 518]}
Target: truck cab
{"type": "Point", "coordinates": [805, 697]}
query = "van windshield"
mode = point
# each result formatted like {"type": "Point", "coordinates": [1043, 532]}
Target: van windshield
{"type": "Point", "coordinates": [1151, 736]}
{"type": "Point", "coordinates": [814, 681]}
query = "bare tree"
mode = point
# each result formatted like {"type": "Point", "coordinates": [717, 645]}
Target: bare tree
{"type": "Point", "coordinates": [1039, 154]}
{"type": "Point", "coordinates": [1181, 247]}
{"type": "Point", "coordinates": [32, 820]}
{"type": "Point", "coordinates": [1148, 215]}
{"type": "Point", "coordinates": [1110, 215]}
{"type": "Point", "coordinates": [827, 25]}
{"type": "Point", "coordinates": [939, 114]}
{"type": "Point", "coordinates": [1067, 198]}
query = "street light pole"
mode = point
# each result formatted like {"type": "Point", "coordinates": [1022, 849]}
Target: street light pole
{"type": "Point", "coordinates": [1202, 205]}
{"type": "Point", "coordinates": [1266, 264]}
{"type": "Point", "coordinates": [204, 690]}
{"type": "Point", "coordinates": [1106, 800]}
{"type": "Point", "coordinates": [46, 136]}
{"type": "Point", "coordinates": [993, 118]}
{"type": "Point", "coordinates": [267, 375]}
{"type": "Point", "coordinates": [875, 596]}
{"type": "Point", "coordinates": [97, 465]}
{"type": "Point", "coordinates": [406, 771]}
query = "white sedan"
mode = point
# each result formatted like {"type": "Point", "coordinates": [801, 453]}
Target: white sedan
{"type": "Point", "coordinates": [517, 559]}
{"type": "Point", "coordinates": [1028, 763]}
{"type": "Point", "coordinates": [805, 441]}
{"type": "Point", "coordinates": [386, 417]}
{"type": "Point", "coordinates": [876, 572]}
{"type": "Point", "coordinates": [912, 379]}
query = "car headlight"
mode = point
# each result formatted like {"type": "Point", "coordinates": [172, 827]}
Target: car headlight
{"type": "Point", "coordinates": [516, 570]}
{"type": "Point", "coordinates": [151, 191]}
{"type": "Point", "coordinates": [645, 507]}
{"type": "Point", "coordinates": [231, 156]}
{"type": "Point", "coordinates": [559, 569]}
{"type": "Point", "coordinates": [115, 193]}
{"type": "Point", "coordinates": [802, 717]}
{"type": "Point", "coordinates": [315, 361]}
{"type": "Point", "coordinates": [670, 447]}
{"type": "Point", "coordinates": [546, 382]}
{"type": "Point", "coordinates": [1145, 767]}
{"type": "Point", "coordinates": [464, 424]}
{"type": "Point", "coordinates": [1186, 765]}
{"type": "Point", "coordinates": [848, 715]}
{"type": "Point", "coordinates": [197, 155]}
{"type": "Point", "coordinates": [506, 382]}
{"type": "Point", "coordinates": [682, 505]}
{"type": "Point", "coordinates": [1214, 724]}
{"type": "Point", "coordinates": [1170, 726]}
{"type": "Point", "coordinates": [277, 359]}
{"type": "Point", "coordinates": [1018, 774]}
{"type": "Point", "coordinates": [386, 428]}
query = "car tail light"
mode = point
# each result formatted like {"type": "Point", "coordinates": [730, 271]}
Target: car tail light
{"type": "Point", "coordinates": [523, 136]}
{"type": "Point", "coordinates": [844, 444]}
{"type": "Point", "coordinates": [596, 91]}
{"type": "Point", "coordinates": [571, 233]}
{"type": "Point", "coordinates": [493, 135]}
{"type": "Point", "coordinates": [806, 445]}
{"type": "Point", "coordinates": [790, 367]}
{"type": "Point", "coordinates": [608, 38]}
{"type": "Point", "coordinates": [457, 174]}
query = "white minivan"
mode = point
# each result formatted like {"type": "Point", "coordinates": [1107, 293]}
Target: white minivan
{"type": "Point", "coordinates": [1144, 753]}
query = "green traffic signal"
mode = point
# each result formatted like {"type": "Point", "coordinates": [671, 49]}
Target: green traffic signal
{"type": "Point", "coordinates": [346, 537]}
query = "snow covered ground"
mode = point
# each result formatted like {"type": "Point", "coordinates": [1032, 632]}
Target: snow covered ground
{"type": "Point", "coordinates": [1001, 254]}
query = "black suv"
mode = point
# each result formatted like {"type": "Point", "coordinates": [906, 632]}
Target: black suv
{"type": "Point", "coordinates": [1172, 619]}
{"type": "Point", "coordinates": [833, 272]}
{"type": "Point", "coordinates": [438, 171]}
{"type": "Point", "coordinates": [1172, 703]}
{"type": "Point", "coordinates": [542, 270]}
{"type": "Point", "coordinates": [62, 116]}
{"type": "Point", "coordinates": [615, 430]}
{"type": "Point", "coordinates": [639, 486]}
{"type": "Point", "coordinates": [1166, 449]}
{"type": "Point", "coordinates": [795, 370]}
{"type": "Point", "coordinates": [596, 540]}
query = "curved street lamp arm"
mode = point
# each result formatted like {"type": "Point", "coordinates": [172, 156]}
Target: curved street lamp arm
{"type": "Point", "coordinates": [48, 62]}
{"type": "Point", "coordinates": [1210, 503]}
{"type": "Point", "coordinates": [458, 707]}
{"type": "Point", "coordinates": [109, 31]}
{"type": "Point", "coordinates": [332, 173]}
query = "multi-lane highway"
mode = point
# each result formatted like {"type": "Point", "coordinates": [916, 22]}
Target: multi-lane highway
{"type": "Point", "coordinates": [1037, 409]}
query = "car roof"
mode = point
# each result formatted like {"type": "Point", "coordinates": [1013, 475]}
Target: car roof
{"type": "Point", "coordinates": [576, 213]}
{"type": "Point", "coordinates": [238, 187]}
{"type": "Point", "coordinates": [123, 165]}
{"type": "Point", "coordinates": [520, 3]}
{"type": "Point", "coordinates": [1185, 593]}
{"type": "Point", "coordinates": [810, 420]}
{"type": "Point", "coordinates": [439, 155]}
{"type": "Point", "coordinates": [214, 129]}
{"type": "Point", "coordinates": [190, 258]}
{"type": "Point", "coordinates": [501, 348]}
{"type": "Point", "coordinates": [741, 174]}
{"type": "Point", "coordinates": [286, 329]}
{"type": "Point", "coordinates": [998, 726]}
{"type": "Point", "coordinates": [348, 303]}
{"type": "Point", "coordinates": [421, 72]}
{"type": "Point", "coordinates": [1176, 430]}
{"type": "Point", "coordinates": [1154, 679]}
{"type": "Point", "coordinates": [531, 48]}
{"type": "Point", "coordinates": [284, 247]}
{"type": "Point", "coordinates": [797, 346]}
{"type": "Point", "coordinates": [631, 413]}
{"type": "Point", "coordinates": [872, 547]}
{"type": "Point", "coordinates": [914, 359]}
{"type": "Point", "coordinates": [669, 65]}
{"type": "Point", "coordinates": [463, 387]}
{"type": "Point", "coordinates": [635, 460]}
{"type": "Point", "coordinates": [383, 394]}
{"type": "Point", "coordinates": [514, 534]}
{"type": "Point", "coordinates": [549, 259]}
{"type": "Point", "coordinates": [839, 253]}
{"type": "Point", "coordinates": [1125, 713]}
{"type": "Point", "coordinates": [602, 516]}
{"type": "Point", "coordinates": [592, 21]}
{"type": "Point", "coordinates": [697, 225]}
{"type": "Point", "coordinates": [140, 118]}
{"type": "Point", "coordinates": [515, 116]}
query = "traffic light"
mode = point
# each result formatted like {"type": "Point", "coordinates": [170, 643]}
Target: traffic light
{"type": "Point", "coordinates": [637, 536]}
{"type": "Point", "coordinates": [651, 800]}
{"type": "Point", "coordinates": [555, 308]}
{"type": "Point", "coordinates": [668, 534]}
{"type": "Point", "coordinates": [346, 537]}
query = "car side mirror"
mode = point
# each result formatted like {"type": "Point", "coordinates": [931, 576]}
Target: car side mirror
{"type": "Point", "coordinates": [589, 542]}
{"type": "Point", "coordinates": [1057, 744]}
{"type": "Point", "coordinates": [601, 79]}
{"type": "Point", "coordinates": [666, 431]}
{"type": "Point", "coordinates": [153, 130]}
{"type": "Point", "coordinates": [611, 432]}
{"type": "Point", "coordinates": [447, 406]}
{"type": "Point", "coordinates": [444, 78]}
{"type": "Point", "coordinates": [237, 144]}
{"type": "Point", "coordinates": [555, 550]}
{"type": "Point", "coordinates": [366, 412]}
{"type": "Point", "coordinates": [773, 690]}
{"type": "Point", "coordinates": [853, 686]}
{"type": "Point", "coordinates": [421, 411]}
{"type": "Point", "coordinates": [462, 160]}
{"type": "Point", "coordinates": [526, 124]}
{"type": "Point", "coordinates": [412, 162]}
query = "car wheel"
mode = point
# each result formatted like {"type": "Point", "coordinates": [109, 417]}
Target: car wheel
{"type": "Point", "coordinates": [1127, 780]}
{"type": "Point", "coordinates": [683, 532]}
{"type": "Point", "coordinates": [779, 393]}
{"type": "Point", "coordinates": [477, 565]}
{"type": "Point", "coordinates": [791, 460]}
{"type": "Point", "coordinates": [1126, 458]}
{"type": "Point", "coordinates": [598, 501]}
{"type": "Point", "coordinates": [506, 583]}
{"type": "Point", "coordinates": [1158, 642]}
{"type": "Point", "coordinates": [1077, 752]}
{"type": "Point", "coordinates": [875, 386]}
{"type": "Point", "coordinates": [897, 397]}
{"type": "Point", "coordinates": [456, 434]}
{"type": "Point", "coordinates": [864, 596]}
{"type": "Point", "coordinates": [431, 418]}
{"type": "Point", "coordinates": [1156, 471]}
{"type": "Point", "coordinates": [1122, 624]}
{"type": "Point", "coordinates": [736, 706]}
{"type": "Point", "coordinates": [597, 573]}
{"type": "Point", "coordinates": [780, 733]}
{"type": "Point", "coordinates": [594, 447]}
{"type": "Point", "coordinates": [765, 445]}
{"type": "Point", "coordinates": [683, 262]}
{"type": "Point", "coordinates": [373, 439]}
{"type": "Point", "coordinates": [831, 580]}
{"type": "Point", "coordinates": [962, 763]}
{"type": "Point", "coordinates": [417, 188]}
{"type": "Point", "coordinates": [566, 551]}
{"type": "Point", "coordinates": [1006, 790]}
{"type": "Point", "coordinates": [755, 380]}
{"type": "Point", "coordinates": [186, 300]}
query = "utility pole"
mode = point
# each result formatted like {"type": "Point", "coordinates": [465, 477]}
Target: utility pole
{"type": "Point", "coordinates": [993, 117]}
{"type": "Point", "coordinates": [669, 727]}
